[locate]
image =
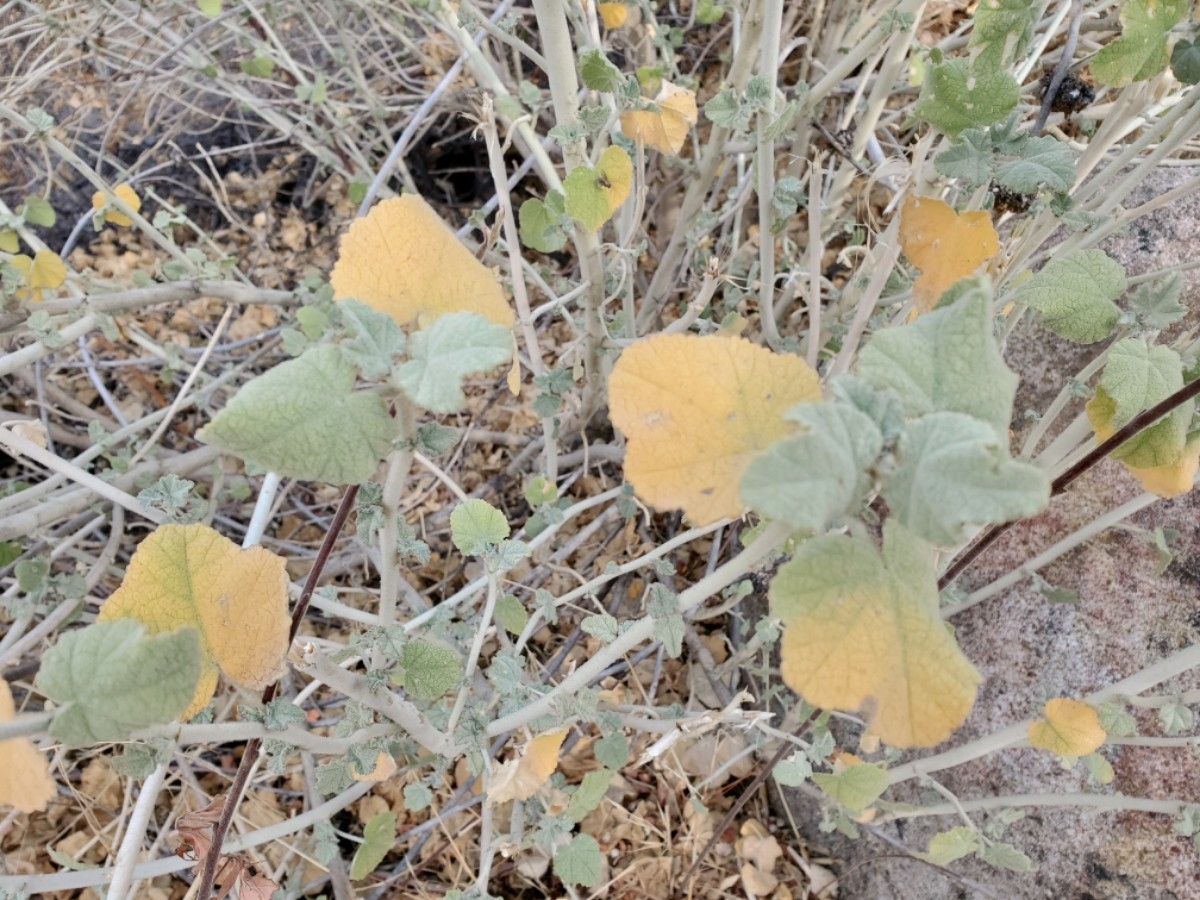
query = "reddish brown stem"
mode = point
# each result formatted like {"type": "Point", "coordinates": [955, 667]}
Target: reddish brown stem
{"type": "Point", "coordinates": [221, 828]}
{"type": "Point", "coordinates": [1138, 423]}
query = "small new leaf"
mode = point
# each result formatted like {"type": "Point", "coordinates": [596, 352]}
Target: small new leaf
{"type": "Point", "coordinates": [1006, 856]}
{"type": "Point", "coordinates": [541, 227]}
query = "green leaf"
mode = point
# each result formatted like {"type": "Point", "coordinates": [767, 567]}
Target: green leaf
{"type": "Point", "coordinates": [708, 12]}
{"type": "Point", "coordinates": [1175, 718]}
{"type": "Point", "coordinates": [972, 158]}
{"type": "Point", "coordinates": [787, 198]}
{"type": "Point", "coordinates": [793, 770]}
{"type": "Point", "coordinates": [475, 524]}
{"type": "Point", "coordinates": [1006, 856]}
{"type": "Point", "coordinates": [303, 419]}
{"type": "Point", "coordinates": [446, 352]}
{"type": "Point", "coordinates": [612, 751]}
{"type": "Point", "coordinates": [1099, 769]}
{"type": "Point", "coordinates": [137, 759]}
{"type": "Point", "coordinates": [881, 407]}
{"type": "Point", "coordinates": [430, 669]}
{"type": "Point", "coordinates": [1136, 377]}
{"type": "Point", "coordinates": [510, 614]}
{"type": "Point", "coordinates": [539, 490]}
{"type": "Point", "coordinates": [1141, 50]}
{"type": "Point", "coordinates": [594, 194]}
{"type": "Point", "coordinates": [603, 627]}
{"type": "Point", "coordinates": [1155, 304]}
{"type": "Point", "coordinates": [10, 242]}
{"type": "Point", "coordinates": [814, 477]}
{"type": "Point", "coordinates": [379, 835]}
{"type": "Point", "coordinates": [10, 552]}
{"type": "Point", "coordinates": [281, 715]}
{"type": "Point", "coordinates": [1075, 294]}
{"type": "Point", "coordinates": [954, 97]}
{"type": "Point", "coordinates": [111, 679]}
{"type": "Point", "coordinates": [589, 794]}
{"type": "Point", "coordinates": [598, 74]}
{"type": "Point", "coordinates": [210, 8]}
{"type": "Point", "coordinates": [955, 471]}
{"type": "Point", "coordinates": [258, 67]}
{"type": "Point", "coordinates": [856, 787]}
{"type": "Point", "coordinates": [417, 797]}
{"type": "Point", "coordinates": [376, 339]}
{"type": "Point", "coordinates": [997, 23]}
{"type": "Point", "coordinates": [579, 862]}
{"type": "Point", "coordinates": [947, 360]}
{"type": "Point", "coordinates": [947, 846]}
{"type": "Point", "coordinates": [434, 439]}
{"type": "Point", "coordinates": [542, 228]}
{"type": "Point", "coordinates": [727, 111]}
{"type": "Point", "coordinates": [1185, 61]}
{"type": "Point", "coordinates": [38, 212]}
{"type": "Point", "coordinates": [1115, 721]}
{"type": "Point", "coordinates": [669, 632]}
{"type": "Point", "coordinates": [1044, 161]}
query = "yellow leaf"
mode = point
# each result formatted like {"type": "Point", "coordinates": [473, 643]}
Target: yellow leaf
{"type": "Point", "coordinates": [1070, 728]}
{"type": "Point", "coordinates": [520, 779]}
{"type": "Point", "coordinates": [237, 599]}
{"type": "Point", "coordinates": [1167, 481]}
{"type": "Point", "coordinates": [613, 15]}
{"type": "Point", "coordinates": [126, 194]}
{"type": "Point", "coordinates": [25, 781]}
{"type": "Point", "coordinates": [593, 195]}
{"type": "Point", "coordinates": [44, 272]}
{"type": "Point", "coordinates": [666, 129]}
{"type": "Point", "coordinates": [943, 244]}
{"type": "Point", "coordinates": [403, 260]}
{"type": "Point", "coordinates": [862, 632]}
{"type": "Point", "coordinates": [696, 411]}
{"type": "Point", "coordinates": [616, 173]}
